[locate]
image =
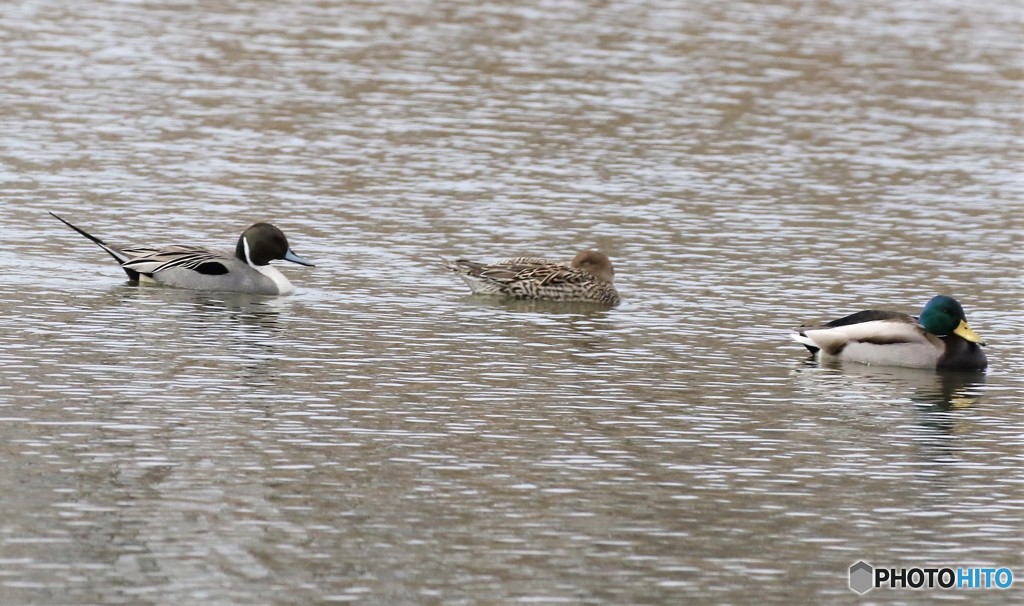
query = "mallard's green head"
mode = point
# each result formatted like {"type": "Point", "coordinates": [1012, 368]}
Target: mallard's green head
{"type": "Point", "coordinates": [944, 316]}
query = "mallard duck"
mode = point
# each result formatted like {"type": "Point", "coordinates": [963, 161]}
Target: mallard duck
{"type": "Point", "coordinates": [246, 270]}
{"type": "Point", "coordinates": [588, 277]}
{"type": "Point", "coordinates": [938, 338]}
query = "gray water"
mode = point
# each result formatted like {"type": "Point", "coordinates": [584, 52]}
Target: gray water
{"type": "Point", "coordinates": [380, 436]}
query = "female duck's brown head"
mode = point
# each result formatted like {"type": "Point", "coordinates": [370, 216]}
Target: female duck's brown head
{"type": "Point", "coordinates": [595, 262]}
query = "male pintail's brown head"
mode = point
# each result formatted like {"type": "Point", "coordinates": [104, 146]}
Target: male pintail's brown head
{"type": "Point", "coordinates": [263, 243]}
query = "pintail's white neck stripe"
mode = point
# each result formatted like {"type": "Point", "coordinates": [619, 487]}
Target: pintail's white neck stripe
{"type": "Point", "coordinates": [245, 245]}
{"type": "Point", "coordinates": [284, 287]}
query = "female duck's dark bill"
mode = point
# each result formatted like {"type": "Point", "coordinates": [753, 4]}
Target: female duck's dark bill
{"type": "Point", "coordinates": [294, 258]}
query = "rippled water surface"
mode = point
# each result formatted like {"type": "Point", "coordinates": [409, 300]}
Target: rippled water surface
{"type": "Point", "coordinates": [382, 437]}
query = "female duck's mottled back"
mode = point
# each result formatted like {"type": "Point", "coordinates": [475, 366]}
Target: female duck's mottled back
{"type": "Point", "coordinates": [939, 338]}
{"type": "Point", "coordinates": [588, 277]}
{"type": "Point", "coordinates": [248, 270]}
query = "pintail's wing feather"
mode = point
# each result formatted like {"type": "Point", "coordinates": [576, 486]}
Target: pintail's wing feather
{"type": "Point", "coordinates": [551, 274]}
{"type": "Point", "coordinates": [527, 261]}
{"type": "Point", "coordinates": [149, 261]}
{"type": "Point", "coordinates": [535, 270]}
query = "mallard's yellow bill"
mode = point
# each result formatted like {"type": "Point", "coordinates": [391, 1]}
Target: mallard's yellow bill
{"type": "Point", "coordinates": [965, 331]}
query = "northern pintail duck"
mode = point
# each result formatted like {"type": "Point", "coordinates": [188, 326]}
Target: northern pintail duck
{"type": "Point", "coordinates": [248, 270]}
{"type": "Point", "coordinates": [938, 338]}
{"type": "Point", "coordinates": [588, 277]}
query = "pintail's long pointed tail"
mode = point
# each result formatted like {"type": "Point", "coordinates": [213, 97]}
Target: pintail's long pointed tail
{"type": "Point", "coordinates": [119, 256]}
{"type": "Point", "coordinates": [464, 267]}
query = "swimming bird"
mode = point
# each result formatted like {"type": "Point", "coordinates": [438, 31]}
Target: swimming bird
{"type": "Point", "coordinates": [588, 277]}
{"type": "Point", "coordinates": [247, 270]}
{"type": "Point", "coordinates": [938, 338]}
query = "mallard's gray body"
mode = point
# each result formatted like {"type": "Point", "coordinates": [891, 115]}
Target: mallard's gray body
{"type": "Point", "coordinates": [939, 338]}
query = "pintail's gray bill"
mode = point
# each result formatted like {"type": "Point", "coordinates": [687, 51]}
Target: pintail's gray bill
{"type": "Point", "coordinates": [294, 258]}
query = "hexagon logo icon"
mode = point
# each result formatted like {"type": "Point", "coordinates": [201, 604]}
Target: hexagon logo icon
{"type": "Point", "coordinates": [862, 577]}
